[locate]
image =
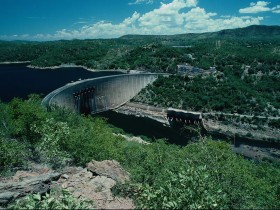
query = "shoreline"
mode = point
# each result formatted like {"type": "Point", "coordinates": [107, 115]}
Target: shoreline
{"type": "Point", "coordinates": [62, 66]}
{"type": "Point", "coordinates": [71, 65]}
{"type": "Point", "coordinates": [15, 62]}
{"type": "Point", "coordinates": [84, 67]}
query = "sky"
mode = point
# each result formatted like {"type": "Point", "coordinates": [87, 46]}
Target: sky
{"type": "Point", "coordinates": [44, 20]}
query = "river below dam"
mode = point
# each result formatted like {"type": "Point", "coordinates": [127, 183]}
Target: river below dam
{"type": "Point", "coordinates": [17, 80]}
{"type": "Point", "coordinates": [146, 127]}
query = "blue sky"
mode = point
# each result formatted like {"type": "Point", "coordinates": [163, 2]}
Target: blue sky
{"type": "Point", "coordinates": [80, 19]}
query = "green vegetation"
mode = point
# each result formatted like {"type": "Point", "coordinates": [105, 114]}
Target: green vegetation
{"type": "Point", "coordinates": [248, 46]}
{"type": "Point", "coordinates": [54, 200]}
{"type": "Point", "coordinates": [13, 154]}
{"type": "Point", "coordinates": [208, 94]}
{"type": "Point", "coordinates": [96, 54]}
{"type": "Point", "coordinates": [203, 174]}
{"type": "Point", "coordinates": [210, 177]}
{"type": "Point", "coordinates": [275, 123]}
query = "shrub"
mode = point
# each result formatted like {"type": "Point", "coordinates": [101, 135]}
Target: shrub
{"type": "Point", "coordinates": [274, 123]}
{"type": "Point", "coordinates": [191, 188]}
{"type": "Point", "coordinates": [12, 154]}
{"type": "Point", "coordinates": [53, 200]}
{"type": "Point", "coordinates": [5, 121]}
{"type": "Point", "coordinates": [93, 139]}
{"type": "Point", "coordinates": [204, 174]}
{"type": "Point", "coordinates": [50, 146]}
{"type": "Point", "coordinates": [25, 113]}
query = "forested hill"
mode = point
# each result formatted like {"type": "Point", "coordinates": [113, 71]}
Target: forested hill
{"type": "Point", "coordinates": [255, 31]}
{"type": "Point", "coordinates": [250, 32]}
{"type": "Point", "coordinates": [254, 44]}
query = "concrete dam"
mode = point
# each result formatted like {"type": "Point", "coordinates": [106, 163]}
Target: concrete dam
{"type": "Point", "coordinates": [96, 95]}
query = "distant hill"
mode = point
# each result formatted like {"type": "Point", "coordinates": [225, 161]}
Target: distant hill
{"type": "Point", "coordinates": [250, 32]}
{"type": "Point", "coordinates": [253, 31]}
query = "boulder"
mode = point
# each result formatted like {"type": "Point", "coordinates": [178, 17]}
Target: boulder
{"type": "Point", "coordinates": [85, 184]}
{"type": "Point", "coordinates": [36, 184]}
{"type": "Point", "coordinates": [99, 183]}
{"type": "Point", "coordinates": [109, 168]}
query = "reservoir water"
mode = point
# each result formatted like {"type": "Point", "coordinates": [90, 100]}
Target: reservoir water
{"type": "Point", "coordinates": [17, 80]}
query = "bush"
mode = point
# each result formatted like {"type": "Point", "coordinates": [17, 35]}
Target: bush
{"type": "Point", "coordinates": [275, 123]}
{"type": "Point", "coordinates": [12, 154]}
{"type": "Point", "coordinates": [204, 174]}
{"type": "Point", "coordinates": [5, 121]}
{"type": "Point", "coordinates": [94, 139]}
{"type": "Point", "coordinates": [55, 200]}
{"type": "Point", "coordinates": [25, 113]}
{"type": "Point", "coordinates": [191, 188]}
{"type": "Point", "coordinates": [50, 146]}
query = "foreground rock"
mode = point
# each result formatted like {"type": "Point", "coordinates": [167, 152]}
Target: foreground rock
{"type": "Point", "coordinates": [92, 183]}
{"type": "Point", "coordinates": [10, 191]}
{"type": "Point", "coordinates": [95, 183]}
{"type": "Point", "coordinates": [109, 168]}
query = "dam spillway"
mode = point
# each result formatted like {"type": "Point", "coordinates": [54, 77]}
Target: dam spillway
{"type": "Point", "coordinates": [96, 95]}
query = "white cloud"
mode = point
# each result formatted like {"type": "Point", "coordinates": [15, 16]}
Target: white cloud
{"type": "Point", "coordinates": [276, 9]}
{"type": "Point", "coordinates": [131, 20]}
{"type": "Point", "coordinates": [260, 6]}
{"type": "Point", "coordinates": [179, 16]}
{"type": "Point", "coordinates": [167, 15]}
{"type": "Point", "coordinates": [141, 2]}
{"type": "Point", "coordinates": [198, 20]}
{"type": "Point", "coordinates": [80, 22]}
{"type": "Point", "coordinates": [225, 16]}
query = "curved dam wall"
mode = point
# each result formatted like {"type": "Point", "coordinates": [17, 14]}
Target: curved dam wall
{"type": "Point", "coordinates": [99, 94]}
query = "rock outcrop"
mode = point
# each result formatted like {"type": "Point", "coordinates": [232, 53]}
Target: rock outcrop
{"type": "Point", "coordinates": [92, 183]}
{"type": "Point", "coordinates": [95, 183]}
{"type": "Point", "coordinates": [35, 184]}
{"type": "Point", "coordinates": [109, 168]}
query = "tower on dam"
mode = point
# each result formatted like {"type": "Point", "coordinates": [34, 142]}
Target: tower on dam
{"type": "Point", "coordinates": [99, 94]}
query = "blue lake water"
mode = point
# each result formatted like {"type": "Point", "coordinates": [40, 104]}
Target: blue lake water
{"type": "Point", "coordinates": [17, 80]}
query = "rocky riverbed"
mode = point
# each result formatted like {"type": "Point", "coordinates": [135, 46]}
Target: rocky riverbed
{"type": "Point", "coordinates": [212, 126]}
{"type": "Point", "coordinates": [141, 110]}
{"type": "Point", "coordinates": [246, 139]}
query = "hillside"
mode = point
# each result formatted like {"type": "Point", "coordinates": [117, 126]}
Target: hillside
{"type": "Point", "coordinates": [250, 32]}
{"type": "Point", "coordinates": [123, 52]}
{"type": "Point", "coordinates": [203, 174]}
